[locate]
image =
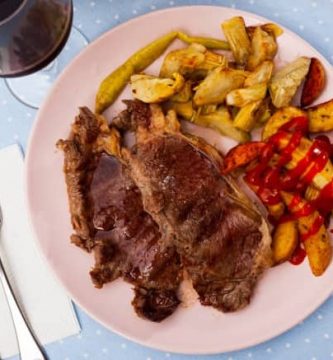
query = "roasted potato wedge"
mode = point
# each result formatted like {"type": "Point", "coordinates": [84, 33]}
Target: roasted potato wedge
{"type": "Point", "coordinates": [318, 245]}
{"type": "Point", "coordinates": [152, 89]}
{"type": "Point", "coordinates": [279, 118]}
{"type": "Point", "coordinates": [218, 83]}
{"type": "Point", "coordinates": [242, 97]}
{"type": "Point", "coordinates": [285, 82]}
{"type": "Point", "coordinates": [235, 32]}
{"type": "Point", "coordinates": [284, 241]}
{"type": "Point", "coordinates": [276, 210]}
{"type": "Point", "coordinates": [263, 47]}
{"type": "Point", "coordinates": [242, 155]}
{"type": "Point", "coordinates": [321, 117]}
{"type": "Point", "coordinates": [322, 177]}
{"type": "Point", "coordinates": [314, 83]}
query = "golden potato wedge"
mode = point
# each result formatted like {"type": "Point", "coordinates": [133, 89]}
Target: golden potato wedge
{"type": "Point", "coordinates": [242, 155]}
{"type": "Point", "coordinates": [314, 83]}
{"type": "Point", "coordinates": [321, 117]}
{"type": "Point", "coordinates": [276, 210]}
{"type": "Point", "coordinates": [317, 244]}
{"type": "Point", "coordinates": [279, 118]}
{"type": "Point", "coordinates": [284, 241]}
{"type": "Point", "coordinates": [322, 177]}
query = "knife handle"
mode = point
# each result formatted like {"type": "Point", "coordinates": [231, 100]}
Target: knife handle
{"type": "Point", "coordinates": [28, 345]}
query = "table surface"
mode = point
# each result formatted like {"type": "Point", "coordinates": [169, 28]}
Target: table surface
{"type": "Point", "coordinates": [313, 338]}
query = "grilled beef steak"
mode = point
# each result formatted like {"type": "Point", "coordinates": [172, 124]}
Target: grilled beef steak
{"type": "Point", "coordinates": [151, 211]}
{"type": "Point", "coordinates": [109, 219]}
{"type": "Point", "coordinates": [217, 231]}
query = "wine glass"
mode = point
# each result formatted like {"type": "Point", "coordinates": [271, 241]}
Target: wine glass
{"type": "Point", "coordinates": [37, 40]}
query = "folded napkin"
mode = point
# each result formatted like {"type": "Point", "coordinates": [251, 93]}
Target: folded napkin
{"type": "Point", "coordinates": [49, 310]}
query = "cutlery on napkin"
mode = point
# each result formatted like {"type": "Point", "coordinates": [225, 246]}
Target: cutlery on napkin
{"type": "Point", "coordinates": [48, 308]}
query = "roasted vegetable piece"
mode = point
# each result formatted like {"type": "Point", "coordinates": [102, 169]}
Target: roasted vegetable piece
{"type": "Point", "coordinates": [193, 59]}
{"type": "Point", "coordinates": [242, 97]}
{"type": "Point", "coordinates": [311, 193]}
{"type": "Point", "coordinates": [242, 155]}
{"type": "Point", "coordinates": [184, 110]}
{"type": "Point", "coordinates": [207, 109]}
{"type": "Point", "coordinates": [221, 121]}
{"type": "Point", "coordinates": [279, 118]}
{"type": "Point", "coordinates": [114, 83]}
{"type": "Point", "coordinates": [184, 94]}
{"type": "Point", "coordinates": [323, 177]}
{"type": "Point", "coordinates": [261, 74]}
{"type": "Point", "coordinates": [208, 42]}
{"type": "Point", "coordinates": [317, 245]}
{"type": "Point", "coordinates": [235, 32]}
{"type": "Point", "coordinates": [246, 116]}
{"type": "Point", "coordinates": [270, 28]}
{"type": "Point", "coordinates": [276, 210]}
{"type": "Point", "coordinates": [263, 47]}
{"type": "Point", "coordinates": [284, 241]}
{"type": "Point", "coordinates": [218, 83]}
{"type": "Point", "coordinates": [321, 117]}
{"type": "Point", "coordinates": [264, 112]}
{"type": "Point", "coordinates": [152, 89]}
{"type": "Point", "coordinates": [285, 82]}
{"type": "Point", "coordinates": [112, 86]}
{"type": "Point", "coordinates": [314, 83]}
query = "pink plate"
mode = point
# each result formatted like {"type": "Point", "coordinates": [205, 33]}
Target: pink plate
{"type": "Point", "coordinates": [285, 295]}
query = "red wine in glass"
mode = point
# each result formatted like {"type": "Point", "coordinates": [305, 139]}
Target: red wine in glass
{"type": "Point", "coordinates": [32, 34]}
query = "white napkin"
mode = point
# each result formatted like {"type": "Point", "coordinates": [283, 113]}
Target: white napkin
{"type": "Point", "coordinates": [45, 303]}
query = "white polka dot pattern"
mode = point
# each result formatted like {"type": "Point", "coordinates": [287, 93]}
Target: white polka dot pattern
{"type": "Point", "coordinates": [312, 338]}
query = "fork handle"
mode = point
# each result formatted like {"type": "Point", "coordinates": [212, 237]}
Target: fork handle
{"type": "Point", "coordinates": [29, 348]}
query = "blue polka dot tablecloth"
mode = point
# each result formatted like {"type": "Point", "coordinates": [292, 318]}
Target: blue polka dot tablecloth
{"type": "Point", "coordinates": [310, 340]}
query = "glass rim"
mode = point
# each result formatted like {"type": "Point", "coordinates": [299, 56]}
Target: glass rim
{"type": "Point", "coordinates": [52, 53]}
{"type": "Point", "coordinates": [11, 16]}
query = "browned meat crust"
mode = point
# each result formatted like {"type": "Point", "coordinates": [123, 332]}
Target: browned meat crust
{"type": "Point", "coordinates": [157, 208]}
{"type": "Point", "coordinates": [216, 232]}
{"type": "Point", "coordinates": [79, 165]}
{"type": "Point", "coordinates": [108, 218]}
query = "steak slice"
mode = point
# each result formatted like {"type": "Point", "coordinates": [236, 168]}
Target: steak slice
{"type": "Point", "coordinates": [222, 239]}
{"type": "Point", "coordinates": [109, 219]}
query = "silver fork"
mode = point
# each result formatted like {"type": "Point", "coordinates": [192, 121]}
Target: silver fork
{"type": "Point", "coordinates": [28, 345]}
